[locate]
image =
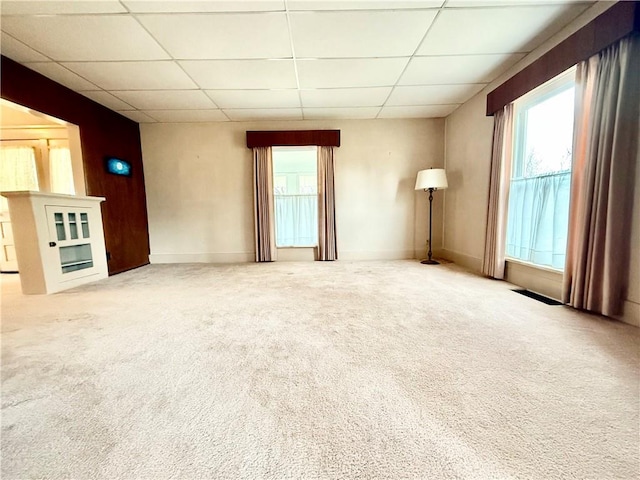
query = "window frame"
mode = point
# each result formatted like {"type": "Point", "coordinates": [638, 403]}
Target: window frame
{"type": "Point", "coordinates": [282, 148]}
{"type": "Point", "coordinates": [535, 97]}
{"type": "Point", "coordinates": [549, 89]}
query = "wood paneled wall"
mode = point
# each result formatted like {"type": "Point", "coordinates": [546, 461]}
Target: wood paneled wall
{"type": "Point", "coordinates": [102, 133]}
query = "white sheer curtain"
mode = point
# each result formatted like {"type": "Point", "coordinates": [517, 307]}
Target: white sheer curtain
{"type": "Point", "coordinates": [537, 219]}
{"type": "Point", "coordinates": [17, 171]}
{"type": "Point", "coordinates": [296, 220]}
{"type": "Point", "coordinates": [60, 171]}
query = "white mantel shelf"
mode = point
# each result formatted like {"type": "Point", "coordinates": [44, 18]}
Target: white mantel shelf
{"type": "Point", "coordinates": [51, 196]}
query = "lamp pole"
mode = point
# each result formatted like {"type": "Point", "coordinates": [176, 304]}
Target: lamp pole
{"type": "Point", "coordinates": [429, 260]}
{"type": "Point", "coordinates": [431, 180]}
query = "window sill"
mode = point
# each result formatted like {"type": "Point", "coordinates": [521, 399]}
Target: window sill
{"type": "Point", "coordinates": [543, 280]}
{"type": "Point", "coordinates": [297, 254]}
{"type": "Point", "coordinates": [535, 265]}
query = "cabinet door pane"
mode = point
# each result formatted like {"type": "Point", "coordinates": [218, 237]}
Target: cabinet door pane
{"type": "Point", "coordinates": [84, 221]}
{"type": "Point", "coordinates": [59, 220]}
{"type": "Point", "coordinates": [75, 257]}
{"type": "Point", "coordinates": [73, 226]}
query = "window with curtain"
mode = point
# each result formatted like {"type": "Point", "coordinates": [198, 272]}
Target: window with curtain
{"type": "Point", "coordinates": [60, 171]}
{"type": "Point", "coordinates": [295, 183]}
{"type": "Point", "coordinates": [539, 191]}
{"type": "Point", "coordinates": [18, 171]}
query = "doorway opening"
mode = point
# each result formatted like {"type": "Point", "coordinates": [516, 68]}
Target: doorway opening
{"type": "Point", "coordinates": [38, 153]}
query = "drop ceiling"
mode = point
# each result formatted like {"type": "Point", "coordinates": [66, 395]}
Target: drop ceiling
{"type": "Point", "coordinates": [201, 61]}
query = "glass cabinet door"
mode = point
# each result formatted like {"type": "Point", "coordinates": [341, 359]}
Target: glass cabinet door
{"type": "Point", "coordinates": [70, 241]}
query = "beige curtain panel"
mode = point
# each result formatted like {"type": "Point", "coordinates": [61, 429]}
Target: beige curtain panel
{"type": "Point", "coordinates": [603, 172]}
{"type": "Point", "coordinates": [263, 205]}
{"type": "Point", "coordinates": [500, 176]}
{"type": "Point", "coordinates": [327, 244]}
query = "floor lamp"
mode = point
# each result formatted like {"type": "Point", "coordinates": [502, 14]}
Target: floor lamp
{"type": "Point", "coordinates": [431, 180]}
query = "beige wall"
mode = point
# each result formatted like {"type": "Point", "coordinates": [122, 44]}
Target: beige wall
{"type": "Point", "coordinates": [468, 134]}
{"type": "Point", "coordinates": [199, 188]}
{"type": "Point", "coordinates": [467, 160]}
{"type": "Point", "coordinates": [632, 305]}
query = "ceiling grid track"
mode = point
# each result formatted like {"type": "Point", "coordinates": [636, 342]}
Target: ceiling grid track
{"type": "Point", "coordinates": [293, 57]}
{"type": "Point", "coordinates": [279, 59]}
{"type": "Point", "coordinates": [435, 19]}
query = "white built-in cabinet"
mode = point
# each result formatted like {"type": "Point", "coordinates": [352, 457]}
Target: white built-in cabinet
{"type": "Point", "coordinates": [59, 240]}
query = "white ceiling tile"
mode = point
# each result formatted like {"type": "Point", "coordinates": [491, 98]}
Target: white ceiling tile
{"type": "Point", "coordinates": [58, 73]}
{"type": "Point", "coordinates": [363, 72]}
{"type": "Point", "coordinates": [84, 37]}
{"type": "Point", "coordinates": [54, 7]}
{"type": "Point", "coordinates": [457, 68]}
{"type": "Point", "coordinates": [240, 74]}
{"type": "Point", "coordinates": [255, 98]}
{"type": "Point", "coordinates": [495, 30]}
{"type": "Point", "coordinates": [361, 4]}
{"type": "Point", "coordinates": [168, 116]}
{"type": "Point", "coordinates": [221, 36]}
{"type": "Point", "coordinates": [165, 6]}
{"type": "Point", "coordinates": [133, 75]}
{"type": "Point", "coordinates": [137, 116]}
{"type": "Point", "coordinates": [236, 55]}
{"type": "Point", "coordinates": [18, 51]}
{"type": "Point", "coordinates": [426, 111]}
{"type": "Point", "coordinates": [330, 113]}
{"type": "Point", "coordinates": [106, 99]}
{"type": "Point", "coordinates": [504, 3]}
{"type": "Point", "coordinates": [433, 94]}
{"type": "Point", "coordinates": [241, 115]}
{"type": "Point", "coordinates": [345, 97]}
{"type": "Point", "coordinates": [359, 34]}
{"type": "Point", "coordinates": [166, 99]}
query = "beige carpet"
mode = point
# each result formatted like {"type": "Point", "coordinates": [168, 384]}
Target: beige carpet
{"type": "Point", "coordinates": [313, 371]}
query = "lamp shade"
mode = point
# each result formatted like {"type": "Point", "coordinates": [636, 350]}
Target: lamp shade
{"type": "Point", "coordinates": [435, 178]}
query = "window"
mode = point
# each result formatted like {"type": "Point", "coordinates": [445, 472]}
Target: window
{"type": "Point", "coordinates": [539, 191]}
{"type": "Point", "coordinates": [18, 171]}
{"type": "Point", "coordinates": [295, 183]}
{"type": "Point", "coordinates": [38, 165]}
{"type": "Point", "coordinates": [60, 171]}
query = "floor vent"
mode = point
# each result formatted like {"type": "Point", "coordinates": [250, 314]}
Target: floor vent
{"type": "Point", "coordinates": [537, 296]}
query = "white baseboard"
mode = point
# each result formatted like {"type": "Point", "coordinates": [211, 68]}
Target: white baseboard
{"type": "Point", "coordinates": [296, 254]}
{"type": "Point", "coordinates": [631, 313]}
{"type": "Point", "coordinates": [376, 255]}
{"type": "Point", "coordinates": [224, 257]}
{"type": "Point", "coordinates": [631, 309]}
{"type": "Point", "coordinates": [472, 263]}
{"type": "Point", "coordinates": [283, 255]}
{"type": "Point", "coordinates": [538, 280]}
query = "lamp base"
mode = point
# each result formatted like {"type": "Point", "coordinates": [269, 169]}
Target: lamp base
{"type": "Point", "coordinates": [429, 262]}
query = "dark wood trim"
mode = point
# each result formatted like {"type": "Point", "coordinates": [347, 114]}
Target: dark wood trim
{"type": "Point", "coordinates": [617, 22]}
{"type": "Point", "coordinates": [293, 138]}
